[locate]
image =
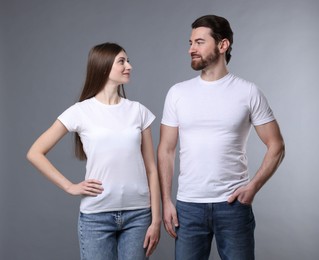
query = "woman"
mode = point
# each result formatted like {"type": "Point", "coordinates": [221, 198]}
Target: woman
{"type": "Point", "coordinates": [119, 212]}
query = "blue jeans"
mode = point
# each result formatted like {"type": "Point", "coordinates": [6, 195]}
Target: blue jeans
{"type": "Point", "coordinates": [232, 224]}
{"type": "Point", "coordinates": [113, 235]}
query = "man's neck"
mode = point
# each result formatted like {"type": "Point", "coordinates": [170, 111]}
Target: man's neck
{"type": "Point", "coordinates": [213, 74]}
{"type": "Point", "coordinates": [215, 71]}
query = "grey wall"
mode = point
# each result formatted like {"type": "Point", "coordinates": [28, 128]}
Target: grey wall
{"type": "Point", "coordinates": [44, 47]}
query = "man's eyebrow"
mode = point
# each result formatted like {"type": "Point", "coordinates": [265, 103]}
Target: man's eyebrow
{"type": "Point", "coordinates": [197, 40]}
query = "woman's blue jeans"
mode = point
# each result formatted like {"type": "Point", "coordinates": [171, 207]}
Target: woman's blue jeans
{"type": "Point", "coordinates": [232, 225]}
{"type": "Point", "coordinates": [117, 235]}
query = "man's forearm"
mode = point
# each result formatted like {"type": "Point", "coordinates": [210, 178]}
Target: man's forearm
{"type": "Point", "coordinates": [273, 157]}
{"type": "Point", "coordinates": [166, 172]}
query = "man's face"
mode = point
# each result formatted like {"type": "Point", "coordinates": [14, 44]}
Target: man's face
{"type": "Point", "coordinates": [203, 49]}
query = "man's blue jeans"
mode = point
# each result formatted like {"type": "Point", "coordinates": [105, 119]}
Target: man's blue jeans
{"type": "Point", "coordinates": [117, 235]}
{"type": "Point", "coordinates": [232, 225]}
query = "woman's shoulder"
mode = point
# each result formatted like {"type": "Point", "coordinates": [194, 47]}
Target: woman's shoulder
{"type": "Point", "coordinates": [133, 104]}
{"type": "Point", "coordinates": [85, 102]}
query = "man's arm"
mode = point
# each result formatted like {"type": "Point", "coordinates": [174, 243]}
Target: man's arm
{"type": "Point", "coordinates": [166, 158]}
{"type": "Point", "coordinates": [270, 135]}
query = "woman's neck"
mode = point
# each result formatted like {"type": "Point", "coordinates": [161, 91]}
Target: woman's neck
{"type": "Point", "coordinates": [108, 96]}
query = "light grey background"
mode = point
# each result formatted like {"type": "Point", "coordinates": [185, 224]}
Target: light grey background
{"type": "Point", "coordinates": [43, 54]}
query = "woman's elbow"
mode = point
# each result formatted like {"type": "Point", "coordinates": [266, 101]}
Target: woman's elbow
{"type": "Point", "coordinates": [30, 155]}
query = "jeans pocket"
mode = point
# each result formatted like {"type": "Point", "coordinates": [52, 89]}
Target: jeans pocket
{"type": "Point", "coordinates": [244, 204]}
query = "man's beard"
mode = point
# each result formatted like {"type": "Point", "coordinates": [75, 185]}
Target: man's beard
{"type": "Point", "coordinates": [203, 63]}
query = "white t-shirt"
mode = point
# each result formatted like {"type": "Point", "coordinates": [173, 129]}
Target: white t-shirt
{"type": "Point", "coordinates": [214, 121]}
{"type": "Point", "coordinates": [111, 137]}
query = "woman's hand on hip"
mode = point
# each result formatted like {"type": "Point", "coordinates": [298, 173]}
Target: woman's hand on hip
{"type": "Point", "coordinates": [88, 187]}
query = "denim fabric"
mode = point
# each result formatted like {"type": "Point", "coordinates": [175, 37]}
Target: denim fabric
{"type": "Point", "coordinates": [115, 235]}
{"type": "Point", "coordinates": [232, 225]}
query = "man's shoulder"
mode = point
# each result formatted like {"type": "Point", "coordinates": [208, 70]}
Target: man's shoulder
{"type": "Point", "coordinates": [240, 81]}
{"type": "Point", "coordinates": [186, 83]}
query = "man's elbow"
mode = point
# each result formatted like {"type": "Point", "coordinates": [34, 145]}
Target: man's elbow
{"type": "Point", "coordinates": [164, 151]}
{"type": "Point", "coordinates": [283, 150]}
{"type": "Point", "coordinates": [280, 150]}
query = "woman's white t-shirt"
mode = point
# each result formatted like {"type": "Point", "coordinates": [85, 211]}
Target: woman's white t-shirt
{"type": "Point", "coordinates": [111, 137]}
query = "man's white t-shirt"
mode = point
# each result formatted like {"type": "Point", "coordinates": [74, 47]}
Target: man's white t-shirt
{"type": "Point", "coordinates": [111, 137]}
{"type": "Point", "coordinates": [214, 121]}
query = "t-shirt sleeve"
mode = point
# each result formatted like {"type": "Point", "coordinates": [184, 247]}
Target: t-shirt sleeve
{"type": "Point", "coordinates": [261, 113]}
{"type": "Point", "coordinates": [169, 112]}
{"type": "Point", "coordinates": [70, 118]}
{"type": "Point", "coordinates": [147, 117]}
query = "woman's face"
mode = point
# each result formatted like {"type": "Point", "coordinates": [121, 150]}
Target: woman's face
{"type": "Point", "coordinates": [121, 70]}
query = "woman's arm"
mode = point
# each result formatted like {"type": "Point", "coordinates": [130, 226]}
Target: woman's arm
{"type": "Point", "coordinates": [153, 233]}
{"type": "Point", "coordinates": [37, 156]}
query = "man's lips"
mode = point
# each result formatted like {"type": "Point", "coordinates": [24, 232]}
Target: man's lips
{"type": "Point", "coordinates": [195, 57]}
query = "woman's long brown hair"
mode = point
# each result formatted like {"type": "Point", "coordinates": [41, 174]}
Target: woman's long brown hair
{"type": "Point", "coordinates": [100, 62]}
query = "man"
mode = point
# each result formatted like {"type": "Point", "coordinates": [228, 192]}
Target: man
{"type": "Point", "coordinates": [212, 115]}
